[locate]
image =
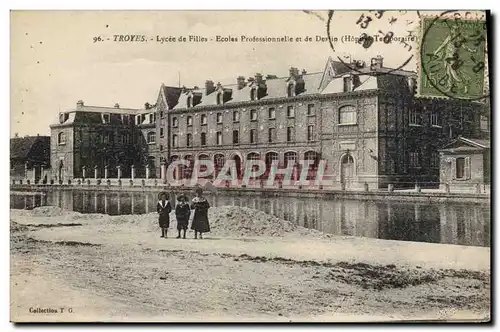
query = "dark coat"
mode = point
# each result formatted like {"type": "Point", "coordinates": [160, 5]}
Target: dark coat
{"type": "Point", "coordinates": [182, 213]}
{"type": "Point", "coordinates": [200, 218]}
{"type": "Point", "coordinates": [163, 213]}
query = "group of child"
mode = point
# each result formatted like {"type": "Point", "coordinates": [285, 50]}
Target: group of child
{"type": "Point", "coordinates": [200, 222]}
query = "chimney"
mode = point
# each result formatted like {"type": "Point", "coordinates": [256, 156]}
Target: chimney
{"type": "Point", "coordinates": [117, 105]}
{"type": "Point", "coordinates": [241, 82]}
{"type": "Point", "coordinates": [271, 77]}
{"type": "Point", "coordinates": [146, 105]}
{"type": "Point", "coordinates": [294, 72]}
{"type": "Point", "coordinates": [79, 104]}
{"type": "Point", "coordinates": [412, 84]}
{"type": "Point", "coordinates": [16, 135]}
{"type": "Point", "coordinates": [258, 78]}
{"type": "Point", "coordinates": [219, 85]}
{"type": "Point", "coordinates": [304, 72]}
{"type": "Point", "coordinates": [251, 79]}
{"type": "Point", "coordinates": [209, 87]}
{"type": "Point", "coordinates": [377, 63]}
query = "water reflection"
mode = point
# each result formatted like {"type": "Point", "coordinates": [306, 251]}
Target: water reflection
{"type": "Point", "coordinates": [464, 224]}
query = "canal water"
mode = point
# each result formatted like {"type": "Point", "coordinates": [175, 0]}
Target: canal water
{"type": "Point", "coordinates": [451, 223]}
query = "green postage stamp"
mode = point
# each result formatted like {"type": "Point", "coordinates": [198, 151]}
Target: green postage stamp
{"type": "Point", "coordinates": [452, 58]}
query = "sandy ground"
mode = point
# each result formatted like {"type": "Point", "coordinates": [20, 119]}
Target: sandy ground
{"type": "Point", "coordinates": [117, 268]}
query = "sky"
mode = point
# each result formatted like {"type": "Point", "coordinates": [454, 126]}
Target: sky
{"type": "Point", "coordinates": [55, 61]}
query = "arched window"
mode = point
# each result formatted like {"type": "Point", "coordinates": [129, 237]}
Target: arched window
{"type": "Point", "coordinates": [347, 115]}
{"type": "Point", "coordinates": [236, 116]}
{"type": "Point", "coordinates": [189, 140]}
{"type": "Point", "coordinates": [290, 158]}
{"type": "Point", "coordinates": [189, 120]}
{"type": "Point", "coordinates": [186, 171]}
{"type": "Point", "coordinates": [271, 157]}
{"type": "Point", "coordinates": [175, 141]}
{"type": "Point", "coordinates": [253, 156]}
{"type": "Point", "coordinates": [219, 161]}
{"type": "Point", "coordinates": [347, 159]}
{"type": "Point", "coordinates": [291, 90]}
{"type": "Point", "coordinates": [203, 166]}
{"type": "Point", "coordinates": [61, 138]}
{"type": "Point", "coordinates": [314, 157]}
{"type": "Point", "coordinates": [151, 137]}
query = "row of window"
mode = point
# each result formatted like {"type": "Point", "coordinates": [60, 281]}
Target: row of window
{"type": "Point", "coordinates": [254, 95]}
{"type": "Point", "coordinates": [460, 166]}
{"type": "Point", "coordinates": [414, 159]}
{"type": "Point", "coordinates": [103, 138]}
{"type": "Point", "coordinates": [290, 113]}
{"type": "Point", "coordinates": [290, 136]}
{"type": "Point", "coordinates": [415, 118]}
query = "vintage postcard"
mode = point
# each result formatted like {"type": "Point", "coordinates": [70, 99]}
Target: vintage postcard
{"type": "Point", "coordinates": [250, 166]}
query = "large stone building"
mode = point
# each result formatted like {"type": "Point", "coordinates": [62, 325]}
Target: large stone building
{"type": "Point", "coordinates": [93, 141]}
{"type": "Point", "coordinates": [364, 120]}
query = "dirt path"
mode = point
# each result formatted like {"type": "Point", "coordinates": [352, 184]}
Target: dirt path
{"type": "Point", "coordinates": [151, 279]}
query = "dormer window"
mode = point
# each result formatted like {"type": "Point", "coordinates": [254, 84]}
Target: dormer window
{"type": "Point", "coordinates": [219, 98]}
{"type": "Point", "coordinates": [291, 90]}
{"type": "Point", "coordinates": [347, 83]}
{"type": "Point", "coordinates": [190, 101]}
{"type": "Point", "coordinates": [125, 119]}
{"type": "Point", "coordinates": [253, 94]}
{"type": "Point", "coordinates": [105, 118]}
{"type": "Point", "coordinates": [63, 117]}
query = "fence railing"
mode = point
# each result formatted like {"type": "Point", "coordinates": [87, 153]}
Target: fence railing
{"type": "Point", "coordinates": [363, 185]}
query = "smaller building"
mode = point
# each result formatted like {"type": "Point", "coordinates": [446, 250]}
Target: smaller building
{"type": "Point", "coordinates": [465, 165]}
{"type": "Point", "coordinates": [29, 158]}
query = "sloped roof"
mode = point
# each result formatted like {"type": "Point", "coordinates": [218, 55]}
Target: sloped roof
{"type": "Point", "coordinates": [276, 88]}
{"type": "Point", "coordinates": [113, 110]}
{"type": "Point", "coordinates": [22, 147]}
{"type": "Point", "coordinates": [328, 81]}
{"type": "Point", "coordinates": [466, 144]}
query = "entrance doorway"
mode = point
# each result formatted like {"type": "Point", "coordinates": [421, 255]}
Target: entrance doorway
{"type": "Point", "coordinates": [347, 169]}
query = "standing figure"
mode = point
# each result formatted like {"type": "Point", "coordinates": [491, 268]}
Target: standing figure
{"type": "Point", "coordinates": [182, 213]}
{"type": "Point", "coordinates": [200, 219]}
{"type": "Point", "coordinates": [448, 54]}
{"type": "Point", "coordinates": [163, 207]}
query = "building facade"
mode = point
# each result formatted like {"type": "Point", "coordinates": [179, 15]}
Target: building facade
{"type": "Point", "coordinates": [466, 164]}
{"type": "Point", "coordinates": [92, 141]}
{"type": "Point", "coordinates": [364, 120]}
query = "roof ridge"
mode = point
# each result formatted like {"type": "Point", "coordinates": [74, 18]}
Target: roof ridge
{"type": "Point", "coordinates": [111, 107]}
